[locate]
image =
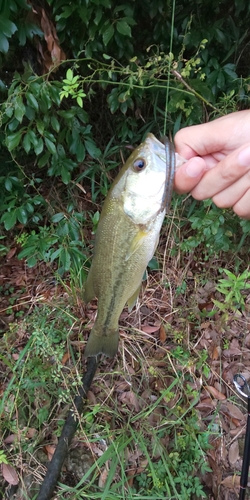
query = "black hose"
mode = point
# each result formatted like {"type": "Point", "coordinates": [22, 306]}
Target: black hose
{"type": "Point", "coordinates": [69, 429]}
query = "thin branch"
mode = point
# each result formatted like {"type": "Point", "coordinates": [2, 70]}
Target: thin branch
{"type": "Point", "coordinates": [199, 96]}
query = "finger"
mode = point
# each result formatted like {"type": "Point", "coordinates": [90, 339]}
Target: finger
{"type": "Point", "coordinates": [242, 207]}
{"type": "Point", "coordinates": [224, 174]}
{"type": "Point", "coordinates": [224, 134]}
{"type": "Point", "coordinates": [230, 196]}
{"type": "Point", "coordinates": [189, 174]}
{"type": "Point", "coordinates": [200, 140]}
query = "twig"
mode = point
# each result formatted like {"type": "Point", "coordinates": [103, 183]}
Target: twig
{"type": "Point", "coordinates": [68, 432]}
{"type": "Point", "coordinates": [199, 96]}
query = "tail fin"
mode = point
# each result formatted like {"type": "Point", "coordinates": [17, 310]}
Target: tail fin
{"type": "Point", "coordinates": [102, 344]}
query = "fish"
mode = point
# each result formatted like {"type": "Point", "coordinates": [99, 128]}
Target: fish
{"type": "Point", "coordinates": [126, 238]}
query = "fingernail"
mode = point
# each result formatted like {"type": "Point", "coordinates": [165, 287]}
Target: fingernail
{"type": "Point", "coordinates": [194, 169]}
{"type": "Point", "coordinates": [244, 157]}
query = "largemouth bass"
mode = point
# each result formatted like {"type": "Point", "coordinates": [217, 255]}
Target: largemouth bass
{"type": "Point", "coordinates": [126, 238]}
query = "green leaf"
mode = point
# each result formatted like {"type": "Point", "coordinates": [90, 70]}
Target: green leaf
{"type": "Point", "coordinates": [51, 146]}
{"type": "Point", "coordinates": [65, 259]}
{"type": "Point", "coordinates": [22, 215]}
{"type": "Point", "coordinates": [55, 94]}
{"type": "Point", "coordinates": [69, 74]}
{"type": "Point", "coordinates": [55, 123]}
{"type": "Point", "coordinates": [40, 126]}
{"type": "Point", "coordinates": [38, 148]}
{"type": "Point", "coordinates": [26, 143]}
{"type": "Point", "coordinates": [33, 137]}
{"type": "Point", "coordinates": [30, 113]}
{"type": "Point", "coordinates": [123, 28]}
{"type": "Point", "coordinates": [29, 250]}
{"type": "Point", "coordinates": [57, 217]}
{"type": "Point", "coordinates": [19, 109]}
{"type": "Point", "coordinates": [92, 149]}
{"type": "Point", "coordinates": [44, 160]}
{"type": "Point", "coordinates": [31, 261]}
{"type": "Point", "coordinates": [9, 111]}
{"type": "Point", "coordinates": [75, 140]}
{"type": "Point", "coordinates": [65, 174]}
{"type": "Point", "coordinates": [29, 207]}
{"type": "Point", "coordinates": [13, 124]}
{"type": "Point", "coordinates": [13, 140]}
{"type": "Point", "coordinates": [8, 184]}
{"type": "Point", "coordinates": [45, 102]}
{"type": "Point", "coordinates": [9, 219]}
{"type": "Point", "coordinates": [80, 152]}
{"type": "Point", "coordinates": [108, 34]}
{"type": "Point", "coordinates": [79, 101]}
{"type": "Point", "coordinates": [4, 44]}
{"type": "Point", "coordinates": [55, 254]}
{"type": "Point", "coordinates": [7, 27]}
{"type": "Point", "coordinates": [31, 100]}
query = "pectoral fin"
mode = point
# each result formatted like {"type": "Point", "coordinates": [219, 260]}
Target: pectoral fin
{"type": "Point", "coordinates": [136, 243]}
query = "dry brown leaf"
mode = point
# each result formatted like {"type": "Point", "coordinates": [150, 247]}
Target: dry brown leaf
{"type": "Point", "coordinates": [11, 253]}
{"type": "Point", "coordinates": [216, 352]}
{"type": "Point", "coordinates": [49, 450]}
{"type": "Point", "coordinates": [9, 474]}
{"type": "Point", "coordinates": [155, 417]}
{"type": "Point", "coordinates": [233, 453]}
{"type": "Point", "coordinates": [10, 439]}
{"type": "Point", "coordinates": [142, 466]}
{"type": "Point", "coordinates": [130, 399]}
{"type": "Point", "coordinates": [91, 397]}
{"type": "Point", "coordinates": [162, 334]}
{"type": "Point", "coordinates": [31, 432]}
{"type": "Point", "coordinates": [150, 328]}
{"type": "Point", "coordinates": [216, 394]}
{"type": "Point", "coordinates": [130, 476]}
{"type": "Point", "coordinates": [205, 325]}
{"type": "Point", "coordinates": [233, 351]}
{"type": "Point", "coordinates": [65, 358]}
{"type": "Point", "coordinates": [234, 411]}
{"type": "Point", "coordinates": [231, 481]}
{"type": "Point", "coordinates": [238, 431]}
{"type": "Point", "coordinates": [103, 476]}
{"type": "Point", "coordinates": [247, 340]}
{"type": "Point", "coordinates": [54, 54]}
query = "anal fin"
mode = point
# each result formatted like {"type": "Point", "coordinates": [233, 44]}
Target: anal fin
{"type": "Point", "coordinates": [132, 300]}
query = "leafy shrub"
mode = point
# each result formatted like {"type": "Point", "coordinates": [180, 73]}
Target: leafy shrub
{"type": "Point", "coordinates": [135, 67]}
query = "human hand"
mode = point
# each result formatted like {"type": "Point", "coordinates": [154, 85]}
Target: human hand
{"type": "Point", "coordinates": [219, 162]}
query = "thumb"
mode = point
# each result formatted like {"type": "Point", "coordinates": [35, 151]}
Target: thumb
{"type": "Point", "coordinates": [189, 174]}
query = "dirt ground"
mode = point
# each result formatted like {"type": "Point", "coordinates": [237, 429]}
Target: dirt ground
{"type": "Point", "coordinates": [185, 314]}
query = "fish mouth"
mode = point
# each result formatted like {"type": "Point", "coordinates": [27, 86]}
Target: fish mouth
{"type": "Point", "coordinates": [164, 149]}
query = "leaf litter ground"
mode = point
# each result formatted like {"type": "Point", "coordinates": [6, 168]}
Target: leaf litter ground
{"type": "Point", "coordinates": [169, 387]}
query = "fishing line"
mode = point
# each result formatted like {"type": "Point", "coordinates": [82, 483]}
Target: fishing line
{"type": "Point", "coordinates": [169, 66]}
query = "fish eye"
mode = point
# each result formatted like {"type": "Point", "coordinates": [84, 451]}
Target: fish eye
{"type": "Point", "coordinates": [139, 164]}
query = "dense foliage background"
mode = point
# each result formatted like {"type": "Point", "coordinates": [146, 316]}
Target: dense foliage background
{"type": "Point", "coordinates": [81, 80]}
